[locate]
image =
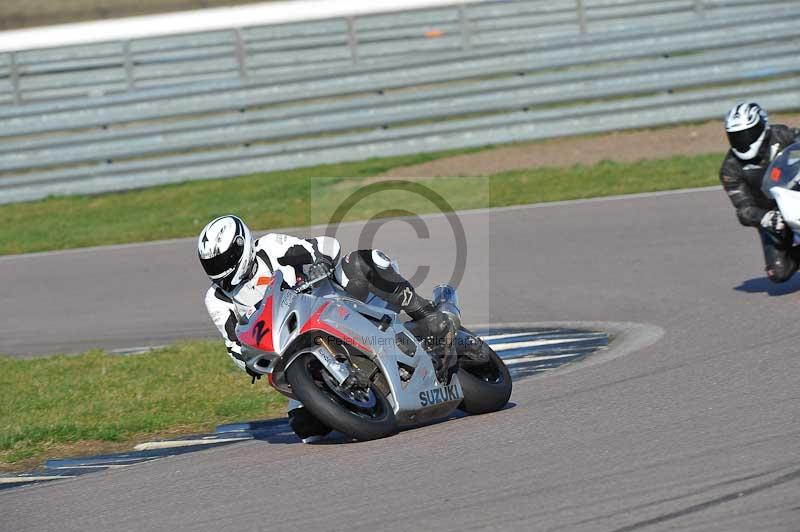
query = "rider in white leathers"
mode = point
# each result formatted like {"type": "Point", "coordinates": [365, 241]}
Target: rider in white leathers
{"type": "Point", "coordinates": [240, 269]}
{"type": "Point", "coordinates": [271, 252]}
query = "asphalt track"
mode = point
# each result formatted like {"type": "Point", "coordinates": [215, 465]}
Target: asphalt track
{"type": "Point", "coordinates": [697, 431]}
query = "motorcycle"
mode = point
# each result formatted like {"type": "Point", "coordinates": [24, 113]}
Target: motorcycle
{"type": "Point", "coordinates": [781, 183]}
{"type": "Point", "coordinates": [359, 368]}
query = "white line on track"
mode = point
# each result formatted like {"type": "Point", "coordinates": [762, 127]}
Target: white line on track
{"type": "Point", "coordinates": [488, 337]}
{"type": "Point", "coordinates": [532, 343]}
{"type": "Point", "coordinates": [97, 466]}
{"type": "Point", "coordinates": [522, 360]}
{"type": "Point", "coordinates": [17, 480]}
{"type": "Point", "coordinates": [136, 350]}
{"type": "Point", "coordinates": [470, 212]}
{"type": "Point", "coordinates": [151, 445]}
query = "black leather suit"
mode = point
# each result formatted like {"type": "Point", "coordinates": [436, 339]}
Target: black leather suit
{"type": "Point", "coordinates": [742, 182]}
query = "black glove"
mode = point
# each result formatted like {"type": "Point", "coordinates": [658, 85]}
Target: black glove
{"type": "Point", "coordinates": [321, 267]}
{"type": "Point", "coordinates": [773, 222]}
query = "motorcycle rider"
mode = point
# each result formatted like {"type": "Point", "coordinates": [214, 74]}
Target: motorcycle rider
{"type": "Point", "coordinates": [241, 267]}
{"type": "Point", "coordinates": [754, 144]}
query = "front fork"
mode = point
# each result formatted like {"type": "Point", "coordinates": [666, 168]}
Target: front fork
{"type": "Point", "coordinates": [355, 377]}
{"type": "Point", "coordinates": [327, 356]}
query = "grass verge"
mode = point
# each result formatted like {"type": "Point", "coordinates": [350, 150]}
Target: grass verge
{"type": "Point", "coordinates": [308, 196]}
{"type": "Point", "coordinates": [96, 402]}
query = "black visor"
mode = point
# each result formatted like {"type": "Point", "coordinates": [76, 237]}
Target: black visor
{"type": "Point", "coordinates": [223, 262]}
{"type": "Point", "coordinates": [742, 140]}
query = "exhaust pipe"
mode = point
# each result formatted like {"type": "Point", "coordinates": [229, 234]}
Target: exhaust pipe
{"type": "Point", "coordinates": [259, 364]}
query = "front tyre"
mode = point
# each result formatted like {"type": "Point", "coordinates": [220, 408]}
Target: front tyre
{"type": "Point", "coordinates": [486, 384]}
{"type": "Point", "coordinates": [364, 414]}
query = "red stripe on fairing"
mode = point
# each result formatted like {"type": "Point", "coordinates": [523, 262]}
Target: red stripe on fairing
{"type": "Point", "coordinates": [315, 323]}
{"type": "Point", "coordinates": [259, 334]}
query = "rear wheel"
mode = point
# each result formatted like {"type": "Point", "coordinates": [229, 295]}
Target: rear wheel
{"type": "Point", "coordinates": [484, 377]}
{"type": "Point", "coordinates": [361, 412]}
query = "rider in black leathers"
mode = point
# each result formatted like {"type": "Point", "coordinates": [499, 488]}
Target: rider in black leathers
{"type": "Point", "coordinates": [754, 145]}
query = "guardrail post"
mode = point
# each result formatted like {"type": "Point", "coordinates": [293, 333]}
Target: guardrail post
{"type": "Point", "coordinates": [241, 56]}
{"type": "Point", "coordinates": [14, 74]}
{"type": "Point", "coordinates": [581, 14]}
{"type": "Point", "coordinates": [127, 60]}
{"type": "Point", "coordinates": [352, 38]}
{"type": "Point", "coordinates": [463, 22]}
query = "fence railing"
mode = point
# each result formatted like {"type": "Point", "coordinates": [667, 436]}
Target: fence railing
{"type": "Point", "coordinates": [627, 75]}
{"type": "Point", "coordinates": [246, 53]}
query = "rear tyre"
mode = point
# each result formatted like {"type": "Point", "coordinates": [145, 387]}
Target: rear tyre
{"type": "Point", "coordinates": [365, 414]}
{"type": "Point", "coordinates": [487, 386]}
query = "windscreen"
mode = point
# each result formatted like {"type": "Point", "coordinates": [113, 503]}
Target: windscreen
{"type": "Point", "coordinates": [784, 172]}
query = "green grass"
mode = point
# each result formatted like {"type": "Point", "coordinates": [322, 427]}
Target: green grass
{"type": "Point", "coordinates": [604, 179]}
{"type": "Point", "coordinates": [529, 186]}
{"type": "Point", "coordinates": [309, 196]}
{"type": "Point", "coordinates": [276, 199]}
{"type": "Point", "coordinates": [88, 403]}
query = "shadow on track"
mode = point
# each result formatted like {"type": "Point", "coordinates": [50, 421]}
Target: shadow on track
{"type": "Point", "coordinates": [276, 431]}
{"type": "Point", "coordinates": [763, 285]}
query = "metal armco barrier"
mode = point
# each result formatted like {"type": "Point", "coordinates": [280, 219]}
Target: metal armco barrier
{"type": "Point", "coordinates": [243, 53]}
{"type": "Point", "coordinates": [336, 90]}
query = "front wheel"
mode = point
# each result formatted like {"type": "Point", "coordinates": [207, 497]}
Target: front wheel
{"type": "Point", "coordinates": [484, 378]}
{"type": "Point", "coordinates": [362, 413]}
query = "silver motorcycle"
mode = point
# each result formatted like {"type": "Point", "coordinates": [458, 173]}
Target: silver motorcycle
{"type": "Point", "coordinates": [359, 368]}
{"type": "Point", "coordinates": [782, 183]}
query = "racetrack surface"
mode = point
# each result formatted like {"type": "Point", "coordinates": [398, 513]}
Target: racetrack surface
{"type": "Point", "coordinates": [697, 431]}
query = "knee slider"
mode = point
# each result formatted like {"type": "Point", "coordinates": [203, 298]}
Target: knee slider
{"type": "Point", "coordinates": [781, 271]}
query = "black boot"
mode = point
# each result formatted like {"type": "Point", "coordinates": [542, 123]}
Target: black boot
{"type": "Point", "coordinates": [429, 321]}
{"type": "Point", "coordinates": [437, 330]}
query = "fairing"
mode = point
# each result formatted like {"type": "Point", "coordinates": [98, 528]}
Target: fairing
{"type": "Point", "coordinates": [784, 172]}
{"type": "Point", "coordinates": [782, 183]}
{"type": "Point", "coordinates": [285, 316]}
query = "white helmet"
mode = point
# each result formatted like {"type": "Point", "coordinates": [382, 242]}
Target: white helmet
{"type": "Point", "coordinates": [226, 251]}
{"type": "Point", "coordinates": [746, 125]}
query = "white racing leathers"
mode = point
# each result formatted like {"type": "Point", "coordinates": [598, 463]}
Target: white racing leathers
{"type": "Point", "coordinates": [273, 252]}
